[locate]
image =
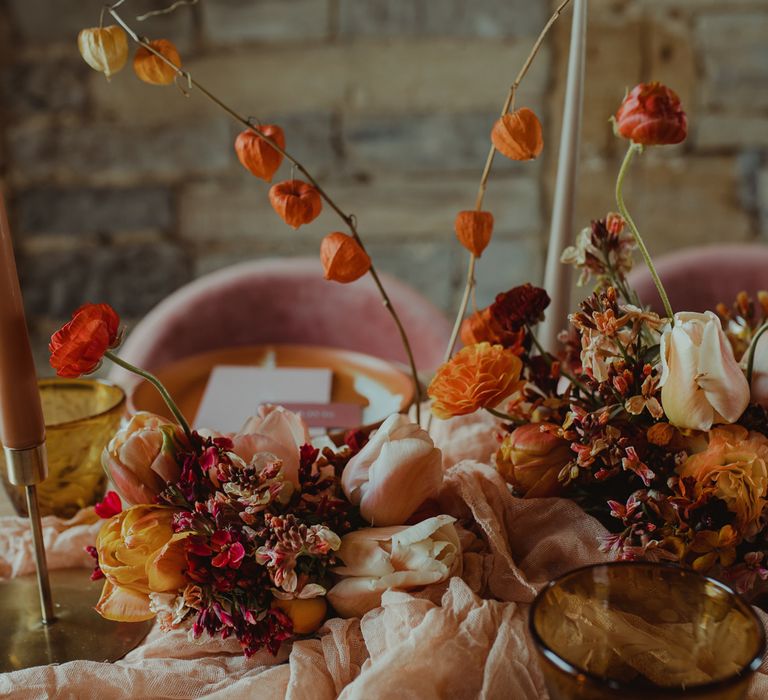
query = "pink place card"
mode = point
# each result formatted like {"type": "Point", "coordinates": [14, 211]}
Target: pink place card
{"type": "Point", "coordinates": [234, 393]}
{"type": "Point", "coordinates": [329, 415]}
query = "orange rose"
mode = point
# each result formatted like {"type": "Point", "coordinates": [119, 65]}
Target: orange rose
{"type": "Point", "coordinates": [79, 346]}
{"type": "Point", "coordinates": [139, 554]}
{"type": "Point", "coordinates": [734, 468]}
{"type": "Point", "coordinates": [478, 376]}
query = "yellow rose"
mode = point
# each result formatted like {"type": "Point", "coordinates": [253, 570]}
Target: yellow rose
{"type": "Point", "coordinates": [139, 553]}
{"type": "Point", "coordinates": [734, 468]}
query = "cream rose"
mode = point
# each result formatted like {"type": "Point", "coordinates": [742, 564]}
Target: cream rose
{"type": "Point", "coordinates": [701, 381]}
{"type": "Point", "coordinates": [397, 470]}
{"type": "Point", "coordinates": [404, 557]}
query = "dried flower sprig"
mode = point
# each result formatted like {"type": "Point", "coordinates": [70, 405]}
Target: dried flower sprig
{"type": "Point", "coordinates": [349, 219]}
{"type": "Point", "coordinates": [509, 103]}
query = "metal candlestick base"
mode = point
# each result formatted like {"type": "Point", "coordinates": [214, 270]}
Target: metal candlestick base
{"type": "Point", "coordinates": [78, 632]}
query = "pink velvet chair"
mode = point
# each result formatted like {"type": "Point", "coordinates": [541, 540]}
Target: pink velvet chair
{"type": "Point", "coordinates": [697, 279]}
{"type": "Point", "coordinates": [284, 301]}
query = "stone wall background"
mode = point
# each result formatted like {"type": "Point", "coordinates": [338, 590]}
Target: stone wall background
{"type": "Point", "coordinates": [122, 192]}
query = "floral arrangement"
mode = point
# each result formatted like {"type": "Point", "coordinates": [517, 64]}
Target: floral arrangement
{"type": "Point", "coordinates": [655, 425]}
{"type": "Point", "coordinates": [248, 535]}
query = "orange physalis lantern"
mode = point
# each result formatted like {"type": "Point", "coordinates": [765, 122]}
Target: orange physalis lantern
{"type": "Point", "coordinates": [104, 49]}
{"type": "Point", "coordinates": [296, 202]}
{"type": "Point", "coordinates": [473, 229]}
{"type": "Point", "coordinates": [518, 135]}
{"type": "Point", "coordinates": [151, 68]}
{"type": "Point", "coordinates": [256, 154]}
{"type": "Point", "coordinates": [343, 258]}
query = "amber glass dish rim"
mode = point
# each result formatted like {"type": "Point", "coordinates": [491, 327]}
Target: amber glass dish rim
{"type": "Point", "coordinates": [661, 691]}
{"type": "Point", "coordinates": [63, 381]}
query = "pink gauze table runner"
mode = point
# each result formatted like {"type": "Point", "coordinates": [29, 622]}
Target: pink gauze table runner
{"type": "Point", "coordinates": [465, 638]}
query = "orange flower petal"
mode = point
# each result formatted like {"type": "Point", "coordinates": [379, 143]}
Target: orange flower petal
{"type": "Point", "coordinates": [344, 260]}
{"type": "Point", "coordinates": [151, 68]}
{"type": "Point", "coordinates": [518, 135]}
{"type": "Point", "coordinates": [474, 229]}
{"type": "Point", "coordinates": [123, 604]}
{"type": "Point", "coordinates": [256, 154]}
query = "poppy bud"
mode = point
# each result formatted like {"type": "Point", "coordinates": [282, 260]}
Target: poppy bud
{"type": "Point", "coordinates": [651, 115]}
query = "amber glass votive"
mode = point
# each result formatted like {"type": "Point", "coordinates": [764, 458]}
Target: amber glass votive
{"type": "Point", "coordinates": [81, 415]}
{"type": "Point", "coordinates": [638, 630]}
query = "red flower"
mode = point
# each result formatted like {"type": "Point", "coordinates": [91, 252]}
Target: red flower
{"type": "Point", "coordinates": [79, 346]}
{"type": "Point", "coordinates": [519, 307]}
{"type": "Point", "coordinates": [110, 506]}
{"type": "Point", "coordinates": [651, 115]}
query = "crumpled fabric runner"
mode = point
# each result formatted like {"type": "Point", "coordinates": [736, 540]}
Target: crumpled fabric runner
{"type": "Point", "coordinates": [464, 638]}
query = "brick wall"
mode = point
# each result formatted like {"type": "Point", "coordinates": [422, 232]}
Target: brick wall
{"type": "Point", "coordinates": [122, 191]}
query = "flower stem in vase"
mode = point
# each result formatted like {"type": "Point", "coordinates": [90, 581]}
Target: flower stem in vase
{"type": "Point", "coordinates": [637, 148]}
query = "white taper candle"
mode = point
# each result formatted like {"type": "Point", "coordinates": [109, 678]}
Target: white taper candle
{"type": "Point", "coordinates": [557, 277]}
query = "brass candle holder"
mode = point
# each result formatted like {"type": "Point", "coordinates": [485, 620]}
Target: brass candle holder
{"type": "Point", "coordinates": [50, 616]}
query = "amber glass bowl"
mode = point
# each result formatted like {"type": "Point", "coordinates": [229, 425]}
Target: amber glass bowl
{"type": "Point", "coordinates": [638, 630]}
{"type": "Point", "coordinates": [81, 415]}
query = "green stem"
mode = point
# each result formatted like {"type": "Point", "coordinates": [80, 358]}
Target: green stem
{"type": "Point", "coordinates": [752, 348]}
{"type": "Point", "coordinates": [637, 148]}
{"type": "Point", "coordinates": [500, 414]}
{"type": "Point", "coordinates": [154, 381]}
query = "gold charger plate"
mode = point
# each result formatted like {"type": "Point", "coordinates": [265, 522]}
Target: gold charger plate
{"type": "Point", "coordinates": [380, 387]}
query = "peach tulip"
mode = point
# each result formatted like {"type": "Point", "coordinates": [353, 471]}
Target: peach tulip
{"type": "Point", "coordinates": [404, 557]}
{"type": "Point", "coordinates": [140, 459]}
{"type": "Point", "coordinates": [702, 384]}
{"type": "Point", "coordinates": [139, 553]}
{"type": "Point", "coordinates": [397, 470]}
{"type": "Point", "coordinates": [276, 430]}
{"type": "Point", "coordinates": [531, 457]}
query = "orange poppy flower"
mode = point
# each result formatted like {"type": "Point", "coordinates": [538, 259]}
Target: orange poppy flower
{"type": "Point", "coordinates": [79, 346]}
{"type": "Point", "coordinates": [478, 376]}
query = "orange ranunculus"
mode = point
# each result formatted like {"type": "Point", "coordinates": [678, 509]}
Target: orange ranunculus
{"type": "Point", "coordinates": [518, 135]}
{"type": "Point", "coordinates": [531, 457]}
{"type": "Point", "coordinates": [139, 554]}
{"type": "Point", "coordinates": [734, 468]}
{"type": "Point", "coordinates": [296, 202]}
{"type": "Point", "coordinates": [474, 229]}
{"type": "Point", "coordinates": [256, 154]}
{"type": "Point", "coordinates": [79, 346]}
{"type": "Point", "coordinates": [483, 327]}
{"type": "Point", "coordinates": [652, 116]}
{"type": "Point", "coordinates": [154, 70]}
{"type": "Point", "coordinates": [343, 258]}
{"type": "Point", "coordinates": [478, 376]}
